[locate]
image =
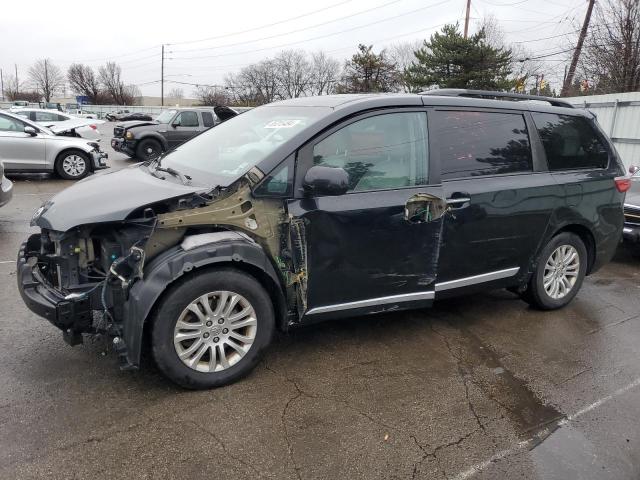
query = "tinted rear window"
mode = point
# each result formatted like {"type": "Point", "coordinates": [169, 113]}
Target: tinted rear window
{"type": "Point", "coordinates": [570, 142]}
{"type": "Point", "coordinates": [482, 143]}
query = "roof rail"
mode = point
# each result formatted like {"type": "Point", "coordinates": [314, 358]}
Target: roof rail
{"type": "Point", "coordinates": [461, 92]}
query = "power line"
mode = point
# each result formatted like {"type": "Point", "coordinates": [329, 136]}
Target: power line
{"type": "Point", "coordinates": [311, 39]}
{"type": "Point", "coordinates": [289, 32]}
{"type": "Point", "coordinates": [262, 26]}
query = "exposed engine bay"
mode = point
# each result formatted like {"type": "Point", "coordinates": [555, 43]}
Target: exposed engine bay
{"type": "Point", "coordinates": [92, 269]}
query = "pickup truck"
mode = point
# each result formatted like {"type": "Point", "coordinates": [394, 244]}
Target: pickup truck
{"type": "Point", "coordinates": [147, 140]}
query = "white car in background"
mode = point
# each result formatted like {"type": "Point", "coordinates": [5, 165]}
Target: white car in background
{"type": "Point", "coordinates": [31, 148]}
{"type": "Point", "coordinates": [60, 122]}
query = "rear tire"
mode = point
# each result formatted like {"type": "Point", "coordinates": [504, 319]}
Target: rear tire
{"type": "Point", "coordinates": [148, 149]}
{"type": "Point", "coordinates": [73, 164]}
{"type": "Point", "coordinates": [559, 273]}
{"type": "Point", "coordinates": [202, 339]}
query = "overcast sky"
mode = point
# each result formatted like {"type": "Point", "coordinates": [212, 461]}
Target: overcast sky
{"type": "Point", "coordinates": [208, 39]}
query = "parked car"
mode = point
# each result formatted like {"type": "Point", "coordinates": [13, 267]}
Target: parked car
{"type": "Point", "coordinates": [113, 116]}
{"type": "Point", "coordinates": [26, 146]}
{"type": "Point", "coordinates": [325, 207]}
{"type": "Point", "coordinates": [631, 230]}
{"type": "Point", "coordinates": [6, 187]}
{"type": "Point", "coordinates": [74, 126]}
{"type": "Point", "coordinates": [17, 104]}
{"type": "Point", "coordinates": [148, 140]}
{"type": "Point", "coordinates": [126, 115]}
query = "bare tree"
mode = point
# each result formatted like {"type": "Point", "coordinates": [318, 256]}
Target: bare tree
{"type": "Point", "coordinates": [294, 73]}
{"type": "Point", "coordinates": [403, 55]}
{"type": "Point", "coordinates": [176, 93]}
{"type": "Point", "coordinates": [242, 92]}
{"type": "Point", "coordinates": [110, 75]}
{"type": "Point", "coordinates": [262, 76]}
{"type": "Point", "coordinates": [84, 81]}
{"type": "Point", "coordinates": [46, 78]}
{"type": "Point", "coordinates": [15, 91]}
{"type": "Point", "coordinates": [212, 96]}
{"type": "Point", "coordinates": [325, 73]}
{"type": "Point", "coordinates": [611, 54]}
{"type": "Point", "coordinates": [523, 68]}
{"type": "Point", "coordinates": [12, 88]}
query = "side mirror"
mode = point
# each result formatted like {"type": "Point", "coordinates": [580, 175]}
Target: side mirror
{"type": "Point", "coordinates": [174, 125]}
{"type": "Point", "coordinates": [326, 181]}
{"type": "Point", "coordinates": [31, 131]}
{"type": "Point", "coordinates": [633, 169]}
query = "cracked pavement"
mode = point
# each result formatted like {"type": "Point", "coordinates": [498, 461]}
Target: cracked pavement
{"type": "Point", "coordinates": [425, 394]}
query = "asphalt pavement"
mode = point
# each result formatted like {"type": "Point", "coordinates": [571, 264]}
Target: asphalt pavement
{"type": "Point", "coordinates": [478, 387]}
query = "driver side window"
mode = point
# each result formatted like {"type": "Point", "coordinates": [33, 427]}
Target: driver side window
{"type": "Point", "coordinates": [385, 151]}
{"type": "Point", "coordinates": [8, 124]}
{"type": "Point", "coordinates": [186, 119]}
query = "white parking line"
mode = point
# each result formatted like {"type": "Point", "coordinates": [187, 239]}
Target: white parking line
{"type": "Point", "coordinates": [479, 467]}
{"type": "Point", "coordinates": [8, 261]}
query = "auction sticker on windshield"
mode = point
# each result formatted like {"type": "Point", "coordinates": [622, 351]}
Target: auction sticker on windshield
{"type": "Point", "coordinates": [282, 123]}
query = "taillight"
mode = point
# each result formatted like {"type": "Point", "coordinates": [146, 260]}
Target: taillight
{"type": "Point", "coordinates": [623, 184]}
{"type": "Point", "coordinates": [94, 127]}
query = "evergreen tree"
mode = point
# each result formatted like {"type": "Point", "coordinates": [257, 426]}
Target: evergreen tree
{"type": "Point", "coordinates": [448, 60]}
{"type": "Point", "coordinates": [369, 72]}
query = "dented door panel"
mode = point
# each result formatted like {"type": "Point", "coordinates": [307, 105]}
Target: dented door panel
{"type": "Point", "coordinates": [362, 246]}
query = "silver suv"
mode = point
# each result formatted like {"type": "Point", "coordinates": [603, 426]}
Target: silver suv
{"type": "Point", "coordinates": [28, 147]}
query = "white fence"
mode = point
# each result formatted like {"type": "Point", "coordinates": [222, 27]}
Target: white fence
{"type": "Point", "coordinates": [619, 116]}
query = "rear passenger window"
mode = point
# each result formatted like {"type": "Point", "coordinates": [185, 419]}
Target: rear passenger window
{"type": "Point", "coordinates": [381, 152]}
{"type": "Point", "coordinates": [481, 143]}
{"type": "Point", "coordinates": [207, 119]}
{"type": "Point", "coordinates": [570, 142]}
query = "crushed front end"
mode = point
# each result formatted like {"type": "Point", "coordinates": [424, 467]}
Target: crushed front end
{"type": "Point", "coordinates": [78, 280]}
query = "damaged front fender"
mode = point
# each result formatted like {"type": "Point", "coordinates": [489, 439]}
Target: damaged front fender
{"type": "Point", "coordinates": [195, 252]}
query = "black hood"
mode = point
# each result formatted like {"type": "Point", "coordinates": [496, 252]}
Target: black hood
{"type": "Point", "coordinates": [108, 197]}
{"type": "Point", "coordinates": [224, 113]}
{"type": "Point", "coordinates": [633, 194]}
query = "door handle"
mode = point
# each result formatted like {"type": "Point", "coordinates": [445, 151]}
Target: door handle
{"type": "Point", "coordinates": [458, 200]}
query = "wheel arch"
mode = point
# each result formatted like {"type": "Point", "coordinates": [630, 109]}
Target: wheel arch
{"type": "Point", "coordinates": [587, 237]}
{"type": "Point", "coordinates": [164, 143]}
{"type": "Point", "coordinates": [66, 150]}
{"type": "Point", "coordinates": [177, 265]}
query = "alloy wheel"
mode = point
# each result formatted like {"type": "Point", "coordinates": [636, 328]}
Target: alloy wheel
{"type": "Point", "coordinates": [561, 271]}
{"type": "Point", "coordinates": [215, 331]}
{"type": "Point", "coordinates": [74, 165]}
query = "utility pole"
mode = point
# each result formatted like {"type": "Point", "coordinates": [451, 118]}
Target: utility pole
{"type": "Point", "coordinates": [466, 19]}
{"type": "Point", "coordinates": [576, 53]}
{"type": "Point", "coordinates": [17, 82]}
{"type": "Point", "coordinates": [162, 79]}
{"type": "Point", "coordinates": [1, 85]}
{"type": "Point", "coordinates": [47, 96]}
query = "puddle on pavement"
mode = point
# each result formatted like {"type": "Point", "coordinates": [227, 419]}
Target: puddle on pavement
{"type": "Point", "coordinates": [525, 410]}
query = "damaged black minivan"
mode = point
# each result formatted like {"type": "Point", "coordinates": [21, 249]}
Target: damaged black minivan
{"type": "Point", "coordinates": [325, 207]}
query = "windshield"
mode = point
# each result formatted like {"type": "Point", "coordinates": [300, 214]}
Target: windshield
{"type": "Point", "coordinates": [232, 148]}
{"type": "Point", "coordinates": [165, 116]}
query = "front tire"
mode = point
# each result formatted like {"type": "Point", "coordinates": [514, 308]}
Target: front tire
{"type": "Point", "coordinates": [560, 271]}
{"type": "Point", "coordinates": [212, 328]}
{"type": "Point", "coordinates": [148, 149]}
{"type": "Point", "coordinates": [73, 165]}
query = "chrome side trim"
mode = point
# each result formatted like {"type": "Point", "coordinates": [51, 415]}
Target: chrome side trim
{"type": "Point", "coordinates": [372, 302]}
{"type": "Point", "coordinates": [483, 277]}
